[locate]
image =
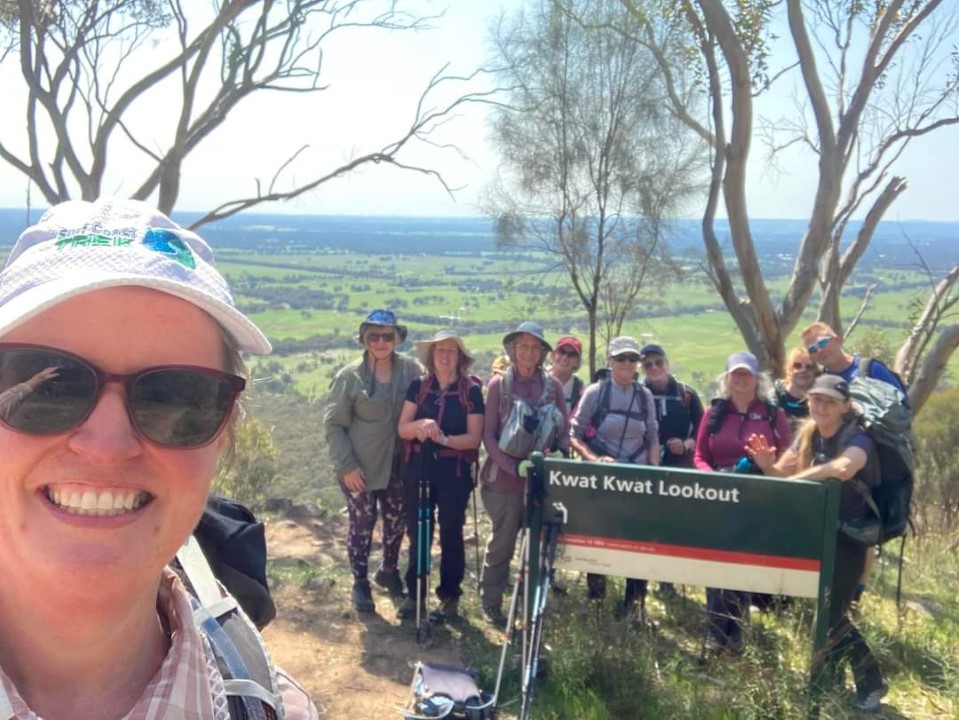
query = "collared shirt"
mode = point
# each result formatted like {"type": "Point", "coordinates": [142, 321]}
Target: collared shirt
{"type": "Point", "coordinates": [362, 415]}
{"type": "Point", "coordinates": [182, 687]}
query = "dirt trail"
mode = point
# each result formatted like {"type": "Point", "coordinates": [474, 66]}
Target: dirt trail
{"type": "Point", "coordinates": [354, 666]}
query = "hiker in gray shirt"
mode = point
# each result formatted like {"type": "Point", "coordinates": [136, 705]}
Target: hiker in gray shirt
{"type": "Point", "coordinates": [360, 421]}
{"type": "Point", "coordinates": [616, 422]}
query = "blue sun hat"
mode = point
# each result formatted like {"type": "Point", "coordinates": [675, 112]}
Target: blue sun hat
{"type": "Point", "coordinates": [386, 318]}
{"type": "Point", "coordinates": [78, 247]}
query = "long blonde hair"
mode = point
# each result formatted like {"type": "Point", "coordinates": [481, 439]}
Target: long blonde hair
{"type": "Point", "coordinates": [806, 433]}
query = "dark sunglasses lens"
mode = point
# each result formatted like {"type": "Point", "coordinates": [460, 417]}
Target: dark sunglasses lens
{"type": "Point", "coordinates": [181, 408]}
{"type": "Point", "coordinates": [55, 391]}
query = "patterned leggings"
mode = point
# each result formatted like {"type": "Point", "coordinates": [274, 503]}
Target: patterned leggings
{"type": "Point", "coordinates": [362, 509]}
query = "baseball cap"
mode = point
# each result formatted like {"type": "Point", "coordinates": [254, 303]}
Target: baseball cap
{"type": "Point", "coordinates": [744, 360]}
{"type": "Point", "coordinates": [77, 247]}
{"type": "Point", "coordinates": [570, 342]}
{"type": "Point", "coordinates": [831, 385]}
{"type": "Point", "coordinates": [621, 344]}
{"type": "Point", "coordinates": [652, 349]}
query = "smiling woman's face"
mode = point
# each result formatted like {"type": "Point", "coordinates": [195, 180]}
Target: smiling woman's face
{"type": "Point", "coordinates": [54, 520]}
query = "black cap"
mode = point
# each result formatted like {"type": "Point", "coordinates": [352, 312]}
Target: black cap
{"type": "Point", "coordinates": [652, 349]}
{"type": "Point", "coordinates": [830, 385]}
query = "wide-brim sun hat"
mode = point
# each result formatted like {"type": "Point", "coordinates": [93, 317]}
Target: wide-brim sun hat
{"type": "Point", "coordinates": [527, 328]}
{"type": "Point", "coordinates": [78, 247]}
{"type": "Point", "coordinates": [383, 318]}
{"type": "Point", "coordinates": [742, 361]}
{"type": "Point", "coordinates": [424, 347]}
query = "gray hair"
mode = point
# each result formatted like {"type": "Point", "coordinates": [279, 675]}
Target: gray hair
{"type": "Point", "coordinates": [765, 389]}
{"type": "Point", "coordinates": [511, 351]}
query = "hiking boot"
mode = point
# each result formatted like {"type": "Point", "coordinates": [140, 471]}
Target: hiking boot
{"type": "Point", "coordinates": [714, 645]}
{"type": "Point", "coordinates": [494, 616]}
{"type": "Point", "coordinates": [363, 596]}
{"type": "Point", "coordinates": [390, 581]}
{"type": "Point", "coordinates": [407, 610]}
{"type": "Point", "coordinates": [448, 609]}
{"type": "Point", "coordinates": [870, 700]}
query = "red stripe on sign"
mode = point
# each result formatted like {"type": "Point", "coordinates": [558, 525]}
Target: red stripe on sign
{"type": "Point", "coordinates": [695, 553]}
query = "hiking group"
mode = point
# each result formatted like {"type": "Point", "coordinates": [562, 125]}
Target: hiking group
{"type": "Point", "coordinates": [405, 435]}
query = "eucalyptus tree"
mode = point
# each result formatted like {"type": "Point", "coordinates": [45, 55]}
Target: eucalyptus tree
{"type": "Point", "coordinates": [122, 92]}
{"type": "Point", "coordinates": [872, 77]}
{"type": "Point", "coordinates": [592, 163]}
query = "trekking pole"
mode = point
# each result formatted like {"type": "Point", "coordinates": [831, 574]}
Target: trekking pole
{"type": "Point", "coordinates": [423, 554]}
{"type": "Point", "coordinates": [511, 614]}
{"type": "Point", "coordinates": [531, 669]}
{"type": "Point", "coordinates": [476, 533]}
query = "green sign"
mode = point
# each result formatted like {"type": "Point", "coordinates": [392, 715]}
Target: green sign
{"type": "Point", "coordinates": [740, 532]}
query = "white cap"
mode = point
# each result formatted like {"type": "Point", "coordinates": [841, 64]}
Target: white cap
{"type": "Point", "coordinates": [79, 246]}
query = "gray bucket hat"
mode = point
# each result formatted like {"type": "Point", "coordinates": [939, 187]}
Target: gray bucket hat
{"type": "Point", "coordinates": [424, 347]}
{"type": "Point", "coordinates": [528, 328]}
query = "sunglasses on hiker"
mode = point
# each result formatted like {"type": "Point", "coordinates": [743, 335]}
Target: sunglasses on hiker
{"type": "Point", "coordinates": [173, 406]}
{"type": "Point", "coordinates": [567, 353]}
{"type": "Point", "coordinates": [626, 358]}
{"type": "Point", "coordinates": [650, 364]}
{"type": "Point", "coordinates": [380, 337]}
{"type": "Point", "coordinates": [818, 345]}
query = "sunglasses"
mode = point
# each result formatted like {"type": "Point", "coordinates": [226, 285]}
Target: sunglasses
{"type": "Point", "coordinates": [173, 406]}
{"type": "Point", "coordinates": [567, 353]}
{"type": "Point", "coordinates": [818, 345]}
{"type": "Point", "coordinates": [804, 366]}
{"type": "Point", "coordinates": [626, 358]}
{"type": "Point", "coordinates": [650, 364]}
{"type": "Point", "coordinates": [380, 337]}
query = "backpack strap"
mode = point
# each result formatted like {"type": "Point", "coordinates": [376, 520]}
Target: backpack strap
{"type": "Point", "coordinates": [865, 365]}
{"type": "Point", "coordinates": [578, 387]}
{"type": "Point", "coordinates": [249, 679]}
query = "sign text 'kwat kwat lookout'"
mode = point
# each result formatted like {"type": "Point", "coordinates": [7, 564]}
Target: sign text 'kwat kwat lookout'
{"type": "Point", "coordinates": [685, 489]}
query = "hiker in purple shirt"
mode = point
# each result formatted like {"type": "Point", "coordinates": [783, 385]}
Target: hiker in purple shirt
{"type": "Point", "coordinates": [503, 488]}
{"type": "Point", "coordinates": [744, 409]}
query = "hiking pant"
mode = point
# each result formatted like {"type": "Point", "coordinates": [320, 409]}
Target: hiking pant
{"type": "Point", "coordinates": [845, 643]}
{"type": "Point", "coordinates": [635, 589]}
{"type": "Point", "coordinates": [725, 612]}
{"type": "Point", "coordinates": [451, 483]}
{"type": "Point", "coordinates": [505, 511]}
{"type": "Point", "coordinates": [362, 510]}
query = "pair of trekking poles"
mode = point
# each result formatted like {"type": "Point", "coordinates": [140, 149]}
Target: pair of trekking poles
{"type": "Point", "coordinates": [535, 595]}
{"type": "Point", "coordinates": [424, 539]}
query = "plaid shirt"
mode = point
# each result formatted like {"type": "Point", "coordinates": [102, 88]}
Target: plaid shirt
{"type": "Point", "coordinates": [188, 685]}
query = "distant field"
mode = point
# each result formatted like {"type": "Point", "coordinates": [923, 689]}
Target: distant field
{"type": "Point", "coordinates": [429, 292]}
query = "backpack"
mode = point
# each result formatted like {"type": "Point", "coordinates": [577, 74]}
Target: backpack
{"type": "Point", "coordinates": [719, 408]}
{"type": "Point", "coordinates": [528, 428]}
{"type": "Point", "coordinates": [447, 691]}
{"type": "Point", "coordinates": [865, 371]}
{"type": "Point", "coordinates": [234, 544]}
{"type": "Point", "coordinates": [229, 531]}
{"type": "Point", "coordinates": [578, 387]}
{"type": "Point", "coordinates": [602, 410]}
{"type": "Point", "coordinates": [463, 386]}
{"type": "Point", "coordinates": [887, 420]}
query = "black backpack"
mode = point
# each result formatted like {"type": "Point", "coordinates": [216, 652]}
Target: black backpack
{"type": "Point", "coordinates": [234, 543]}
{"type": "Point", "coordinates": [888, 421]}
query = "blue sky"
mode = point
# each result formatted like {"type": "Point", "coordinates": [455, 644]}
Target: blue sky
{"type": "Point", "coordinates": [375, 79]}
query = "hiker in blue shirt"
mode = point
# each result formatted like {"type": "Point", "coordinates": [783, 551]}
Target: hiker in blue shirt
{"type": "Point", "coordinates": [825, 347]}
